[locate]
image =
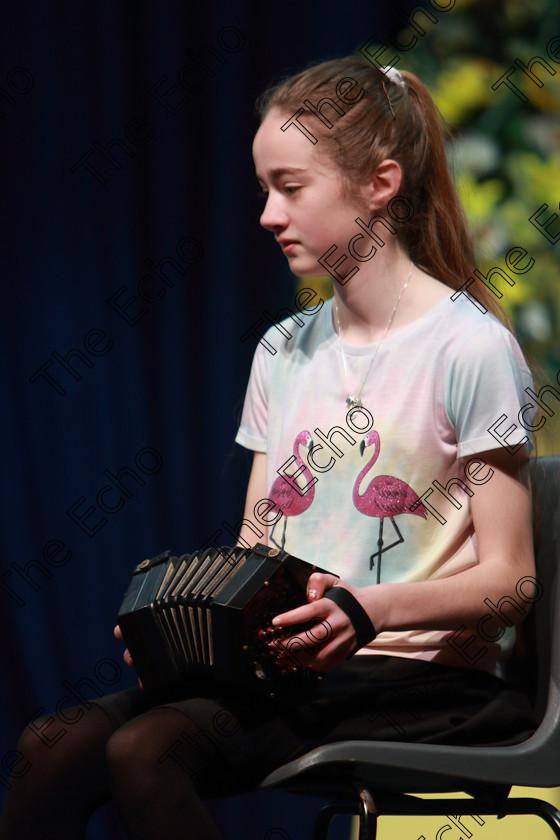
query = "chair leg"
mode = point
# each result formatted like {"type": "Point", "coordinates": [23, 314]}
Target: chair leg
{"type": "Point", "coordinates": [368, 815]}
{"type": "Point", "coordinates": [550, 815]}
{"type": "Point", "coordinates": [536, 807]}
{"type": "Point", "coordinates": [368, 818]}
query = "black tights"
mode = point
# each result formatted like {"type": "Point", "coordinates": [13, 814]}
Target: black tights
{"type": "Point", "coordinates": [156, 767]}
{"type": "Point", "coordinates": [60, 790]}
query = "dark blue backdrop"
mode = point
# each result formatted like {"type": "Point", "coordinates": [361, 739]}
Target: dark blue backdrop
{"type": "Point", "coordinates": [133, 262]}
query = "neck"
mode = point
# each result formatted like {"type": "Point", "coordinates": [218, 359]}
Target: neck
{"type": "Point", "coordinates": [367, 301]}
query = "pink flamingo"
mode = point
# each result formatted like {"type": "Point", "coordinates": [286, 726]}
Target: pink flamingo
{"type": "Point", "coordinates": [384, 497]}
{"type": "Point", "coordinates": [288, 497]}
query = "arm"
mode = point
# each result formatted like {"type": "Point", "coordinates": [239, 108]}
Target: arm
{"type": "Point", "coordinates": [256, 490]}
{"type": "Point", "coordinates": [501, 511]}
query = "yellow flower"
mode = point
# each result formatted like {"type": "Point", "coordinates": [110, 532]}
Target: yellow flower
{"type": "Point", "coordinates": [463, 87]}
{"type": "Point", "coordinates": [537, 180]}
{"type": "Point", "coordinates": [479, 199]}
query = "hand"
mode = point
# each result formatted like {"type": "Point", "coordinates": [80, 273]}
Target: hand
{"type": "Point", "coordinates": [126, 655]}
{"type": "Point", "coordinates": [330, 641]}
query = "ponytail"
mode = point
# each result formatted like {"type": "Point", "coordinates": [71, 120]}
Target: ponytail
{"type": "Point", "coordinates": [438, 238]}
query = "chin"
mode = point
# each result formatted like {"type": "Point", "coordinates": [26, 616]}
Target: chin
{"type": "Point", "coordinates": [301, 269]}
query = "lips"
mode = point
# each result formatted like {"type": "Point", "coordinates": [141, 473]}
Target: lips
{"type": "Point", "coordinates": [287, 245]}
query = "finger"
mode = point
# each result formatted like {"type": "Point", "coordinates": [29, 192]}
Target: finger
{"type": "Point", "coordinates": [303, 647]}
{"type": "Point", "coordinates": [293, 656]}
{"type": "Point", "coordinates": [299, 614]}
{"type": "Point", "coordinates": [128, 658]}
{"type": "Point", "coordinates": [322, 659]}
{"type": "Point", "coordinates": [317, 583]}
{"type": "Point", "coordinates": [305, 656]}
{"type": "Point", "coordinates": [118, 632]}
{"type": "Point", "coordinates": [320, 647]}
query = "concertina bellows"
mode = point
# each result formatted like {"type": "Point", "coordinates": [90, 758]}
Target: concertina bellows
{"type": "Point", "coordinates": [209, 613]}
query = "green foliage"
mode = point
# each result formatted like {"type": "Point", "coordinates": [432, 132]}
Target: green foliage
{"type": "Point", "coordinates": [506, 153]}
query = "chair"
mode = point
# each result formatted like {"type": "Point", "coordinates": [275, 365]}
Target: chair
{"type": "Point", "coordinates": [369, 777]}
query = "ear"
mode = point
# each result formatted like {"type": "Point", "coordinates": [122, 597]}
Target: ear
{"type": "Point", "coordinates": [383, 184]}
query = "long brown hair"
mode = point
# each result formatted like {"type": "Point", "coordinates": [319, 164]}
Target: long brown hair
{"type": "Point", "coordinates": [401, 122]}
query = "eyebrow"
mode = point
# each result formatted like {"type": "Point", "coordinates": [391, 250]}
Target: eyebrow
{"type": "Point", "coordinates": [282, 170]}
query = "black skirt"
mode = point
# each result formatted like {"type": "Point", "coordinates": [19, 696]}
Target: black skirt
{"type": "Point", "coordinates": [364, 698]}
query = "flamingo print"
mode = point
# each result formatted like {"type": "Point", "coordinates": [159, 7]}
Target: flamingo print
{"type": "Point", "coordinates": [288, 497]}
{"type": "Point", "coordinates": [384, 497]}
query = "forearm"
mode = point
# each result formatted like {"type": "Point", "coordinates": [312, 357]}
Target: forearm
{"type": "Point", "coordinates": [252, 530]}
{"type": "Point", "coordinates": [447, 603]}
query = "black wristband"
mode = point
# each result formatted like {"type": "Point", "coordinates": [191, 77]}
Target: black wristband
{"type": "Point", "coordinates": [364, 629]}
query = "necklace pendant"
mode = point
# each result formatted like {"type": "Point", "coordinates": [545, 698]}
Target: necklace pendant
{"type": "Point", "coordinates": [353, 402]}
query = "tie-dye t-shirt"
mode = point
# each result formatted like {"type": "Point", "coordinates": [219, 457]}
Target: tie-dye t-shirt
{"type": "Point", "coordinates": [435, 389]}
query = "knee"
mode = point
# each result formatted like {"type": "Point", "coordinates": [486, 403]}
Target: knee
{"type": "Point", "coordinates": [124, 748]}
{"type": "Point", "coordinates": [133, 747]}
{"type": "Point", "coordinates": [36, 753]}
{"type": "Point", "coordinates": [148, 748]}
{"type": "Point", "coordinates": [40, 736]}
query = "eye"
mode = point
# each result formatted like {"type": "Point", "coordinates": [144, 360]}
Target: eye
{"type": "Point", "coordinates": [288, 190]}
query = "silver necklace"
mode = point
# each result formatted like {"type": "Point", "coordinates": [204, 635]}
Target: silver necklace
{"type": "Point", "coordinates": [356, 402]}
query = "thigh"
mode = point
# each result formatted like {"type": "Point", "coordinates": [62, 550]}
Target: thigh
{"type": "Point", "coordinates": [221, 745]}
{"type": "Point", "coordinates": [365, 698]}
{"type": "Point", "coordinates": [222, 737]}
{"type": "Point", "coordinates": [228, 739]}
{"type": "Point", "coordinates": [122, 706]}
{"type": "Point", "coordinates": [397, 698]}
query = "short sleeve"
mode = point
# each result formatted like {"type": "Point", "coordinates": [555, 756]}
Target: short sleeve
{"type": "Point", "coordinates": [252, 432]}
{"type": "Point", "coordinates": [487, 380]}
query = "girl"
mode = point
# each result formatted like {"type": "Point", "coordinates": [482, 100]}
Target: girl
{"type": "Point", "coordinates": [377, 447]}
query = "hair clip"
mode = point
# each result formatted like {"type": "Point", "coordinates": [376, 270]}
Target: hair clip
{"type": "Point", "coordinates": [393, 74]}
{"type": "Point", "coordinates": [387, 97]}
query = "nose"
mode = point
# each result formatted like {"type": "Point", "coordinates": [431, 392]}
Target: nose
{"type": "Point", "coordinates": [274, 216]}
